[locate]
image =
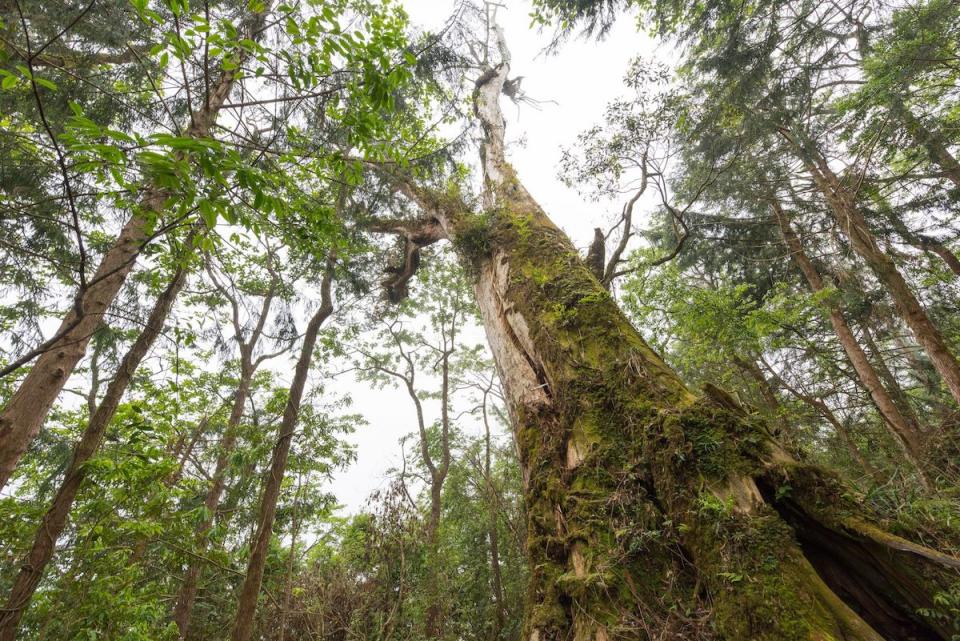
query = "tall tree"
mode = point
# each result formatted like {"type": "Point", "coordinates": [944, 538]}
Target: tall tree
{"type": "Point", "coordinates": [907, 432]}
{"type": "Point", "coordinates": [23, 415]}
{"type": "Point", "coordinates": [613, 443]}
{"type": "Point", "coordinates": [248, 333]}
{"type": "Point", "coordinates": [408, 355]}
{"type": "Point", "coordinates": [249, 593]}
{"type": "Point", "coordinates": [52, 524]}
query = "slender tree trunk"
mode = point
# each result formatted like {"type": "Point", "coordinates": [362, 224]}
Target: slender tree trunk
{"type": "Point", "coordinates": [291, 563]}
{"type": "Point", "coordinates": [187, 594]}
{"type": "Point", "coordinates": [250, 592]}
{"type": "Point", "coordinates": [435, 619]}
{"type": "Point", "coordinates": [500, 616]}
{"type": "Point", "coordinates": [433, 623]}
{"type": "Point", "coordinates": [23, 415]}
{"type": "Point", "coordinates": [186, 451]}
{"type": "Point", "coordinates": [55, 519]}
{"type": "Point", "coordinates": [907, 434]}
{"type": "Point", "coordinates": [767, 391]}
{"type": "Point", "coordinates": [841, 202]}
{"type": "Point", "coordinates": [614, 446]}
{"type": "Point", "coordinates": [839, 427]}
{"type": "Point", "coordinates": [944, 253]}
{"type": "Point", "coordinates": [890, 381]}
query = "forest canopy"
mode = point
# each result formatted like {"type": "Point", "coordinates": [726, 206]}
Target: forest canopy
{"type": "Point", "coordinates": [237, 234]}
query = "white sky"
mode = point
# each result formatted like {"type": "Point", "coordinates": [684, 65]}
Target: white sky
{"type": "Point", "coordinates": [581, 77]}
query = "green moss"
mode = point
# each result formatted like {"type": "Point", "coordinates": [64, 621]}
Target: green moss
{"type": "Point", "coordinates": [762, 586]}
{"type": "Point", "coordinates": [635, 505]}
{"type": "Point", "coordinates": [474, 237]}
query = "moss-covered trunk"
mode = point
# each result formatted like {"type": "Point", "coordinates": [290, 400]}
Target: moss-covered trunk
{"type": "Point", "coordinates": [655, 512]}
{"type": "Point", "coordinates": [646, 502]}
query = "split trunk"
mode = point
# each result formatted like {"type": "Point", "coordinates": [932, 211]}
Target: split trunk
{"type": "Point", "coordinates": [641, 493]}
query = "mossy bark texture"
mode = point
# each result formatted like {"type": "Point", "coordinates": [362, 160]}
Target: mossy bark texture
{"type": "Point", "coordinates": [658, 513]}
{"type": "Point", "coordinates": [655, 512]}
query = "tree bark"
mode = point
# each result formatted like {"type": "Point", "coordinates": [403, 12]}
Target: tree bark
{"type": "Point", "coordinates": [500, 615]}
{"type": "Point", "coordinates": [888, 377]}
{"type": "Point", "coordinates": [23, 415]}
{"type": "Point", "coordinates": [907, 434]}
{"type": "Point", "coordinates": [187, 594]}
{"type": "Point", "coordinates": [639, 492]}
{"type": "Point", "coordinates": [842, 203]}
{"type": "Point", "coordinates": [250, 592]}
{"type": "Point", "coordinates": [54, 520]}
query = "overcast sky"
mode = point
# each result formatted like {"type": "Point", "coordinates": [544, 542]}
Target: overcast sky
{"type": "Point", "coordinates": [581, 78]}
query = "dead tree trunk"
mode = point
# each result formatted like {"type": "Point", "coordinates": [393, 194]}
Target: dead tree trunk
{"type": "Point", "coordinates": [53, 522]}
{"type": "Point", "coordinates": [250, 592]}
{"type": "Point", "coordinates": [641, 493]}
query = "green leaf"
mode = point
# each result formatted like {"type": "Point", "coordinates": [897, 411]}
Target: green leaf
{"type": "Point", "coordinates": [43, 82]}
{"type": "Point", "coordinates": [208, 214]}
